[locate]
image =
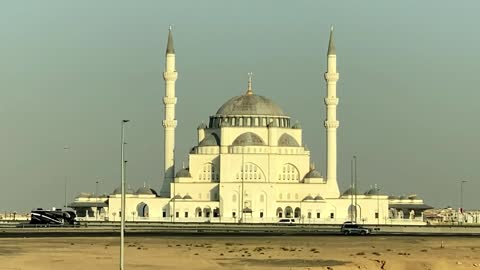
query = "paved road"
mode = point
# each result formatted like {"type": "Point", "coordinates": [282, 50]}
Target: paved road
{"type": "Point", "coordinates": [232, 230]}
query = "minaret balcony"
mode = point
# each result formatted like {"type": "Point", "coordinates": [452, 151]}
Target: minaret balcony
{"type": "Point", "coordinates": [169, 100]}
{"type": "Point", "coordinates": [170, 75]}
{"type": "Point", "coordinates": [169, 123]}
{"type": "Point", "coordinates": [329, 124]}
{"type": "Point", "coordinates": [331, 101]}
{"type": "Point", "coordinates": [332, 77]}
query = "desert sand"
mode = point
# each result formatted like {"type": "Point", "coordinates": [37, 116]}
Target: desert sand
{"type": "Point", "coordinates": [260, 252]}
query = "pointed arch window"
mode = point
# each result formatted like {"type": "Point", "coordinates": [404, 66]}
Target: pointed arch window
{"type": "Point", "coordinates": [289, 172]}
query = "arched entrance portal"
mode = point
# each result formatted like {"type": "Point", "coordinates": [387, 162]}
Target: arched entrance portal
{"type": "Point", "coordinates": [198, 212]}
{"type": "Point", "coordinates": [298, 212]}
{"type": "Point", "coordinates": [288, 212]}
{"type": "Point", "coordinates": [142, 209]}
{"type": "Point", "coordinates": [279, 212]}
{"type": "Point", "coordinates": [207, 212]}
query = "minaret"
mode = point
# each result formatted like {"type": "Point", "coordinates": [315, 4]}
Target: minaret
{"type": "Point", "coordinates": [331, 123]}
{"type": "Point", "coordinates": [170, 76]}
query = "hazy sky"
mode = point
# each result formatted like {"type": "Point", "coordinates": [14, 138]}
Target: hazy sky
{"type": "Point", "coordinates": [71, 70]}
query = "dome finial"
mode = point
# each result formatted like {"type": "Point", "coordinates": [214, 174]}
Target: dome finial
{"type": "Point", "coordinates": [249, 90]}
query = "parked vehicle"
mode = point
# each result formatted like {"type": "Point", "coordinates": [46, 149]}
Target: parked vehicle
{"type": "Point", "coordinates": [353, 228]}
{"type": "Point", "coordinates": [289, 221]}
{"type": "Point", "coordinates": [53, 217]}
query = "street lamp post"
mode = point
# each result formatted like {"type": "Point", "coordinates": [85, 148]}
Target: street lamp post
{"type": "Point", "coordinates": [461, 198]}
{"type": "Point", "coordinates": [355, 186]}
{"type": "Point", "coordinates": [96, 188]}
{"type": "Point", "coordinates": [96, 199]}
{"type": "Point", "coordinates": [65, 150]}
{"type": "Point", "coordinates": [123, 213]}
{"type": "Point", "coordinates": [377, 191]}
{"type": "Point", "coordinates": [352, 206]}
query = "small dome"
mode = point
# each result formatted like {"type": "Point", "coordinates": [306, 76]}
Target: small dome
{"type": "Point", "coordinates": [185, 172]}
{"type": "Point", "coordinates": [187, 197]}
{"type": "Point", "coordinates": [412, 197]}
{"type": "Point", "coordinates": [202, 126]}
{"type": "Point", "coordinates": [178, 196]}
{"type": "Point", "coordinates": [313, 174]}
{"type": "Point", "coordinates": [287, 140]}
{"type": "Point", "coordinates": [308, 198]}
{"type": "Point", "coordinates": [297, 126]}
{"type": "Point", "coordinates": [250, 105]}
{"type": "Point", "coordinates": [144, 191]}
{"type": "Point", "coordinates": [248, 138]}
{"type": "Point", "coordinates": [318, 198]}
{"type": "Point", "coordinates": [372, 191]}
{"type": "Point", "coordinates": [402, 197]}
{"type": "Point", "coordinates": [211, 140]}
{"type": "Point", "coordinates": [392, 197]}
{"type": "Point", "coordinates": [84, 195]}
{"type": "Point", "coordinates": [118, 191]}
{"type": "Point", "coordinates": [350, 191]}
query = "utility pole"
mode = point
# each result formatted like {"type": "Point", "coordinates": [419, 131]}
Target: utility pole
{"type": "Point", "coordinates": [241, 200]}
{"type": "Point", "coordinates": [355, 186]}
{"type": "Point", "coordinates": [122, 226]}
{"type": "Point", "coordinates": [377, 190]}
{"type": "Point", "coordinates": [65, 150]}
{"type": "Point", "coordinates": [461, 199]}
{"type": "Point", "coordinates": [352, 206]}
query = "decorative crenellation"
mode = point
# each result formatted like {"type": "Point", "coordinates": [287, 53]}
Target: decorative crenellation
{"type": "Point", "coordinates": [169, 100]}
{"type": "Point", "coordinates": [331, 101]}
{"type": "Point", "coordinates": [169, 123]}
{"type": "Point", "coordinates": [170, 76]}
{"type": "Point", "coordinates": [332, 77]}
{"type": "Point", "coordinates": [329, 124]}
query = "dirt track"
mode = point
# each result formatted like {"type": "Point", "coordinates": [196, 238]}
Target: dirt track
{"type": "Point", "coordinates": [295, 252]}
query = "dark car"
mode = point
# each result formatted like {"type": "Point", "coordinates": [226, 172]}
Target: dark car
{"type": "Point", "coordinates": [353, 228]}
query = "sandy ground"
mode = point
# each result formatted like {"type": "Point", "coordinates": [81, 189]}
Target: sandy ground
{"type": "Point", "coordinates": [292, 252]}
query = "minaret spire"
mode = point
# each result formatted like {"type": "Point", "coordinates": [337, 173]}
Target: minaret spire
{"type": "Point", "coordinates": [170, 123]}
{"type": "Point", "coordinates": [170, 48]}
{"type": "Point", "coordinates": [331, 43]}
{"type": "Point", "coordinates": [249, 89]}
{"type": "Point", "coordinates": [331, 123]}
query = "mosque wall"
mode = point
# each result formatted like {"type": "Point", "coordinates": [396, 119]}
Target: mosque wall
{"type": "Point", "coordinates": [135, 207]}
{"type": "Point", "coordinates": [197, 190]}
{"type": "Point", "coordinates": [263, 167]}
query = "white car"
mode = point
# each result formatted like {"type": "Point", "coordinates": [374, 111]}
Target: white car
{"type": "Point", "coordinates": [289, 221]}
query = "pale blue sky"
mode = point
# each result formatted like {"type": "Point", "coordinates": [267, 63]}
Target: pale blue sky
{"type": "Point", "coordinates": [70, 71]}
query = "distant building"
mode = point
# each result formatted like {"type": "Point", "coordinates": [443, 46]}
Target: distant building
{"type": "Point", "coordinates": [250, 164]}
{"type": "Point", "coordinates": [452, 216]}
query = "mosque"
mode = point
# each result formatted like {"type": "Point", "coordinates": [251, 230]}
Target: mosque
{"type": "Point", "coordinates": [250, 165]}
